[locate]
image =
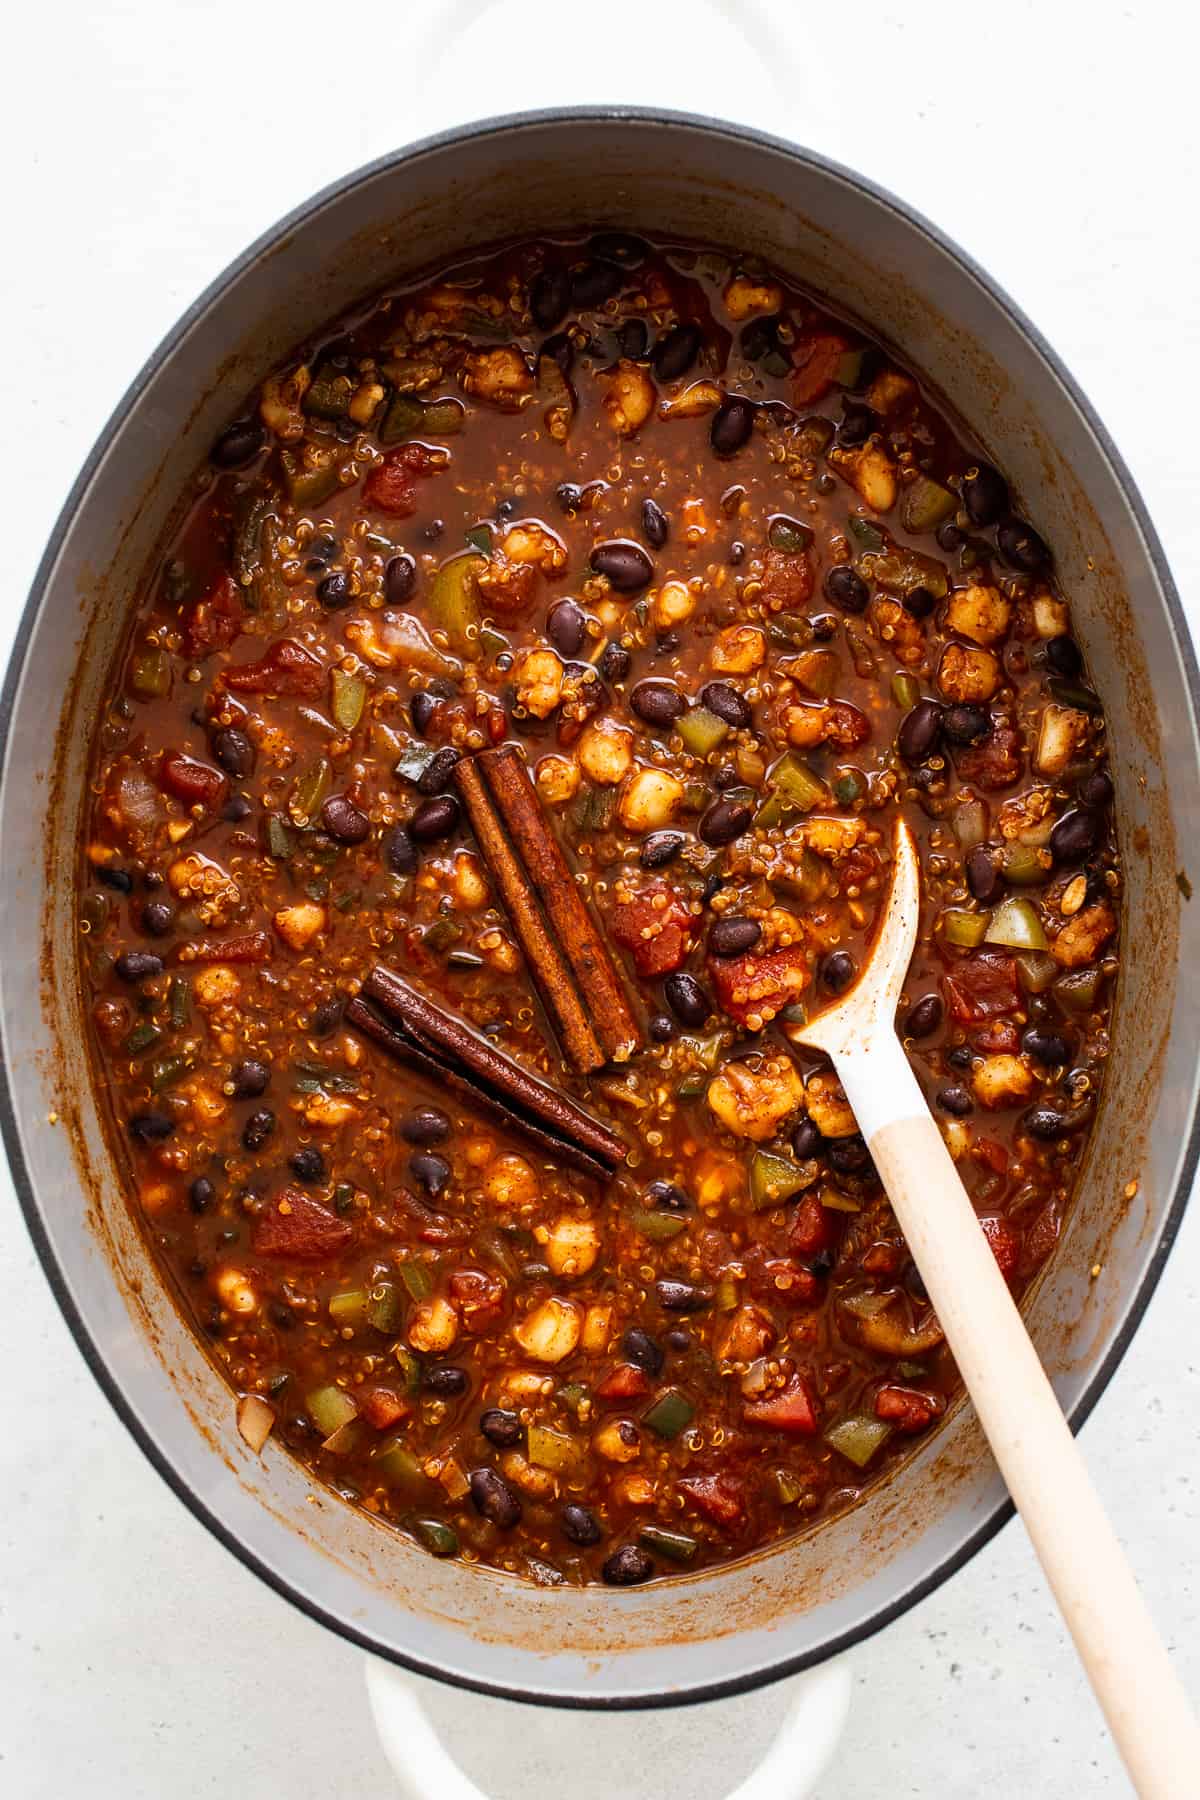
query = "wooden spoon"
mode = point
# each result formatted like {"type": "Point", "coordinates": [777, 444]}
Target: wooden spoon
{"type": "Point", "coordinates": [1126, 1662]}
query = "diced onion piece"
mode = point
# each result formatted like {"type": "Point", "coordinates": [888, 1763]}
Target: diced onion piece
{"type": "Point", "coordinates": [255, 1420]}
{"type": "Point", "coordinates": [1015, 924]}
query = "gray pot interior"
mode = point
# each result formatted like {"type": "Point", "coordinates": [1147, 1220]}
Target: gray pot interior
{"type": "Point", "coordinates": [709, 183]}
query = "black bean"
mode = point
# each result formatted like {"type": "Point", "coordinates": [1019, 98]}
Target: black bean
{"type": "Point", "coordinates": [1021, 546]}
{"type": "Point", "coordinates": [566, 627]}
{"type": "Point", "coordinates": [434, 819]}
{"type": "Point", "coordinates": [1045, 1122]}
{"type": "Point", "coordinates": [858, 422]}
{"type": "Point", "coordinates": [425, 1125]}
{"type": "Point", "coordinates": [447, 1379]}
{"type": "Point", "coordinates": [149, 1126]}
{"type": "Point", "coordinates": [250, 1078]}
{"type": "Point", "coordinates": [234, 751]}
{"type": "Point", "coordinates": [960, 1056]}
{"type": "Point", "coordinates": [662, 1028]}
{"type": "Point", "coordinates": [983, 877]}
{"type": "Point", "coordinates": [435, 777]}
{"type": "Point", "coordinates": [721, 698]}
{"type": "Point", "coordinates": [965, 724]}
{"type": "Point", "coordinates": [236, 809]}
{"type": "Point", "coordinates": [674, 354]}
{"type": "Point", "coordinates": [399, 851]}
{"type": "Point", "coordinates": [238, 444]}
{"type": "Point", "coordinates": [1065, 657]}
{"type": "Point", "coordinates": [322, 550]}
{"type": "Point", "coordinates": [657, 703]}
{"type": "Point", "coordinates": [637, 1346]}
{"type": "Point", "coordinates": [919, 731]}
{"type": "Point", "coordinates": [307, 1163]}
{"type": "Point", "coordinates": [421, 709]}
{"type": "Point", "coordinates": [345, 821]}
{"type": "Point", "coordinates": [429, 1170]}
{"type": "Point", "coordinates": [615, 661]}
{"type": "Point", "coordinates": [138, 965]}
{"type": "Point", "coordinates": [682, 1296]}
{"type": "Point", "coordinates": [949, 536]}
{"type": "Point", "coordinates": [838, 970]}
{"type": "Point", "coordinates": [626, 1567]}
{"type": "Point", "coordinates": [501, 1427]}
{"type": "Point", "coordinates": [924, 1017]}
{"type": "Point", "coordinates": [258, 1129]}
{"type": "Point", "coordinates": [1096, 790]}
{"type": "Point", "coordinates": [985, 494]}
{"type": "Point", "coordinates": [335, 591]}
{"type": "Point", "coordinates": [625, 563]}
{"type": "Point", "coordinates": [1046, 1047]}
{"type": "Point", "coordinates": [666, 1197]}
{"type": "Point", "coordinates": [724, 821]}
{"type": "Point", "coordinates": [660, 848]}
{"type": "Point", "coordinates": [678, 1340]}
{"type": "Point", "coordinates": [592, 283]}
{"type": "Point", "coordinates": [732, 936]}
{"type": "Point", "coordinates": [495, 1498]}
{"type": "Point", "coordinates": [656, 527]}
{"type": "Point", "coordinates": [686, 998]}
{"type": "Point", "coordinates": [568, 497]}
{"type": "Point", "coordinates": [549, 298]}
{"type": "Point", "coordinates": [157, 918]}
{"type": "Point", "coordinates": [807, 1141]}
{"type": "Point", "coordinates": [1074, 837]}
{"type": "Point", "coordinates": [399, 579]}
{"type": "Point", "coordinates": [119, 880]}
{"type": "Point", "coordinates": [633, 339]}
{"type": "Point", "coordinates": [956, 1100]}
{"type": "Point", "coordinates": [849, 1155]}
{"type": "Point", "coordinates": [581, 1525]}
{"type": "Point", "coordinates": [731, 425]}
{"type": "Point", "coordinates": [846, 589]}
{"type": "Point", "coordinates": [919, 602]}
{"type": "Point", "coordinates": [327, 1016]}
{"type": "Point", "coordinates": [201, 1194]}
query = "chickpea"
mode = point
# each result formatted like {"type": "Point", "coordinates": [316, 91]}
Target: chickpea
{"type": "Point", "coordinates": [551, 1331]}
{"type": "Point", "coordinates": [298, 925]}
{"type": "Point", "coordinates": [605, 752]}
{"type": "Point", "coordinates": [540, 1484]}
{"type": "Point", "coordinates": [673, 603]}
{"type": "Point", "coordinates": [433, 1327]}
{"type": "Point", "coordinates": [510, 1182]}
{"type": "Point", "coordinates": [235, 1292]}
{"type": "Point", "coordinates": [572, 1246]}
{"type": "Point", "coordinates": [539, 680]}
{"type": "Point", "coordinates": [650, 800]}
{"type": "Point", "coordinates": [557, 779]}
{"type": "Point", "coordinates": [470, 884]}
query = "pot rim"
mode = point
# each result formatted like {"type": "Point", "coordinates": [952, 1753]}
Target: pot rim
{"type": "Point", "coordinates": [500, 125]}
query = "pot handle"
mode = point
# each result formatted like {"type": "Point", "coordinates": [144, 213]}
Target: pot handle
{"type": "Point", "coordinates": [425, 1770]}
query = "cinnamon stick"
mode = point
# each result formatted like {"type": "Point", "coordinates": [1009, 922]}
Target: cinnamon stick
{"type": "Point", "coordinates": [550, 968]}
{"type": "Point", "coordinates": [443, 1075]}
{"type": "Point", "coordinates": [541, 853]}
{"type": "Point", "coordinates": [452, 1040]}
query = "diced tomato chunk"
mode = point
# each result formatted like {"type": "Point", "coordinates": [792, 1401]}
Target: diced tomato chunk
{"type": "Point", "coordinates": [212, 622]}
{"type": "Point", "coordinates": [995, 762]}
{"type": "Point", "coordinates": [479, 1298]}
{"type": "Point", "coordinates": [1042, 1235]}
{"type": "Point", "coordinates": [846, 725]}
{"type": "Point", "coordinates": [982, 986]}
{"type": "Point", "coordinates": [787, 580]}
{"type": "Point", "coordinates": [250, 947]}
{"type": "Point", "coordinates": [195, 783]}
{"type": "Point", "coordinates": [779, 1280]}
{"type": "Point", "coordinates": [793, 1411]}
{"type": "Point", "coordinates": [999, 1037]}
{"type": "Point", "coordinates": [905, 1409]}
{"type": "Point", "coordinates": [381, 1406]}
{"type": "Point", "coordinates": [295, 1225]}
{"type": "Point", "coordinates": [720, 1498]}
{"type": "Point", "coordinates": [286, 668]}
{"type": "Point", "coordinates": [814, 1228]}
{"type": "Point", "coordinates": [625, 1382]}
{"type": "Point", "coordinates": [815, 360]}
{"type": "Point", "coordinates": [753, 986]}
{"type": "Point", "coordinates": [656, 928]}
{"type": "Point", "coordinates": [391, 487]}
{"type": "Point", "coordinates": [1006, 1245]}
{"type": "Point", "coordinates": [992, 1155]}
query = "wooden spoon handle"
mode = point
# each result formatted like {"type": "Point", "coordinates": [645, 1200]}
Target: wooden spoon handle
{"type": "Point", "coordinates": [1126, 1661]}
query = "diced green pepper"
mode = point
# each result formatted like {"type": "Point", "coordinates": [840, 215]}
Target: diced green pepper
{"type": "Point", "coordinates": [789, 628]}
{"type": "Point", "coordinates": [438, 1538]}
{"type": "Point", "coordinates": [965, 930]}
{"type": "Point", "coordinates": [1078, 991]}
{"type": "Point", "coordinates": [150, 674]}
{"type": "Point", "coordinates": [251, 514]}
{"type": "Point", "coordinates": [279, 842]}
{"type": "Point", "coordinates": [1036, 971]}
{"type": "Point", "coordinates": [441, 934]}
{"type": "Point", "coordinates": [848, 370]}
{"type": "Point", "coordinates": [492, 643]}
{"type": "Point", "coordinates": [309, 792]}
{"type": "Point", "coordinates": [143, 1037]}
{"type": "Point", "coordinates": [592, 808]}
{"type": "Point", "coordinates": [417, 1278]}
{"type": "Point", "coordinates": [849, 785]}
{"type": "Point", "coordinates": [1073, 693]}
{"type": "Point", "coordinates": [906, 690]}
{"type": "Point", "coordinates": [385, 1308]}
{"type": "Point", "coordinates": [858, 1437]}
{"type": "Point", "coordinates": [329, 394]}
{"type": "Point", "coordinates": [794, 784]}
{"type": "Point", "coordinates": [179, 1001]}
{"type": "Point", "coordinates": [706, 1050]}
{"type": "Point", "coordinates": [349, 1310]}
{"type": "Point", "coordinates": [330, 1408]}
{"type": "Point", "coordinates": [409, 1366]}
{"type": "Point", "coordinates": [551, 1449]}
{"type": "Point", "coordinates": [349, 696]}
{"type": "Point", "coordinates": [865, 535]}
{"type": "Point", "coordinates": [480, 538]}
{"type": "Point", "coordinates": [454, 601]}
{"type": "Point", "coordinates": [926, 505]}
{"type": "Point", "coordinates": [692, 1086]}
{"type": "Point", "coordinates": [833, 1200]}
{"type": "Point", "coordinates": [166, 1071]}
{"type": "Point", "coordinates": [813, 435]}
{"type": "Point", "coordinates": [1016, 925]}
{"type": "Point", "coordinates": [1025, 864]}
{"type": "Point", "coordinates": [775, 1178]}
{"type": "Point", "coordinates": [575, 1397]}
{"type": "Point", "coordinates": [403, 416]}
{"type": "Point", "coordinates": [676, 1545]}
{"type": "Point", "coordinates": [701, 730]}
{"type": "Point", "coordinates": [413, 761]}
{"type": "Point", "coordinates": [658, 1227]}
{"type": "Point", "coordinates": [310, 473]}
{"type": "Point", "coordinates": [443, 418]}
{"type": "Point", "coordinates": [911, 1371]}
{"type": "Point", "coordinates": [669, 1414]}
{"type": "Point", "coordinates": [969, 824]}
{"type": "Point", "coordinates": [399, 1468]}
{"type": "Point", "coordinates": [726, 1297]}
{"type": "Point", "coordinates": [790, 535]}
{"type": "Point", "coordinates": [343, 1197]}
{"type": "Point", "coordinates": [492, 1244]}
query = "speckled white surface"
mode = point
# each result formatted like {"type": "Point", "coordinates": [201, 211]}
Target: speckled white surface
{"type": "Point", "coordinates": [145, 143]}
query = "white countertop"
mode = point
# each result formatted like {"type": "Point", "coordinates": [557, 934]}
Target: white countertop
{"type": "Point", "coordinates": [145, 142]}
